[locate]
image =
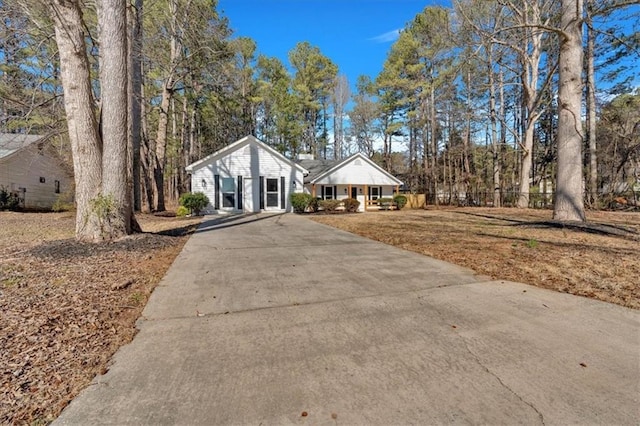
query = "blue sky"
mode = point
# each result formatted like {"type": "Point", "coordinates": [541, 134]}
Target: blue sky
{"type": "Point", "coordinates": [355, 34]}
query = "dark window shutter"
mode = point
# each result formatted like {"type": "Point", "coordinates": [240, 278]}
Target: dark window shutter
{"type": "Point", "coordinates": [261, 192]}
{"type": "Point", "coordinates": [335, 192]}
{"type": "Point", "coordinates": [216, 202]}
{"type": "Point", "coordinates": [240, 192]}
{"type": "Point", "coordinates": [322, 191]}
{"type": "Point", "coordinates": [283, 206]}
{"type": "Point", "coordinates": [380, 192]}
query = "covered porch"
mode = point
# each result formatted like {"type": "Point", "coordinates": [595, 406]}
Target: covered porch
{"type": "Point", "coordinates": [367, 195]}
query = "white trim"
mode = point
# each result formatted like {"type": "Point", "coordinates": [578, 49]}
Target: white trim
{"type": "Point", "coordinates": [237, 145]}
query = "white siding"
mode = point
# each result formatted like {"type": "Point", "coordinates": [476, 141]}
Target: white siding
{"type": "Point", "coordinates": [24, 170]}
{"type": "Point", "coordinates": [247, 160]}
{"type": "Point", "coordinates": [357, 172]}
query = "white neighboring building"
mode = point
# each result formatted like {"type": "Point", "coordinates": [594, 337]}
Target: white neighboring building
{"type": "Point", "coordinates": [247, 176]}
{"type": "Point", "coordinates": [31, 167]}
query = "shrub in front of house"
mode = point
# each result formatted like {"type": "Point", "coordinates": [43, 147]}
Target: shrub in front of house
{"type": "Point", "coordinates": [329, 205]}
{"type": "Point", "coordinates": [385, 203]}
{"type": "Point", "coordinates": [314, 205]}
{"type": "Point", "coordinates": [301, 201]}
{"type": "Point", "coordinates": [400, 200]}
{"type": "Point", "coordinates": [8, 200]}
{"type": "Point", "coordinates": [351, 205]}
{"type": "Point", "coordinates": [182, 211]}
{"type": "Point", "coordinates": [194, 201]}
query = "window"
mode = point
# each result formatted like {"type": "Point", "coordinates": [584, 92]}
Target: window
{"type": "Point", "coordinates": [57, 186]}
{"type": "Point", "coordinates": [272, 192]}
{"type": "Point", "coordinates": [228, 192]}
{"type": "Point", "coordinates": [374, 192]}
{"type": "Point", "coordinates": [328, 193]}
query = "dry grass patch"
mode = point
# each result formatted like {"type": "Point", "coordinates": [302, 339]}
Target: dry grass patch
{"type": "Point", "coordinates": [600, 260]}
{"type": "Point", "coordinates": [68, 306]}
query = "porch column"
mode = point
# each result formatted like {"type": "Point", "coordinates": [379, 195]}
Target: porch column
{"type": "Point", "coordinates": [349, 194]}
{"type": "Point", "coordinates": [397, 189]}
{"type": "Point", "coordinates": [313, 190]}
{"type": "Point", "coordinates": [366, 192]}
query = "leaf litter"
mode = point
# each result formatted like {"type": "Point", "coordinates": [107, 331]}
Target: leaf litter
{"type": "Point", "coordinates": [67, 306]}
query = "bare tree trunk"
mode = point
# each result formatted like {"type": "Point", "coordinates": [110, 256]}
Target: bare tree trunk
{"type": "Point", "coordinates": [340, 99]}
{"type": "Point", "coordinates": [192, 135]}
{"type": "Point", "coordinates": [494, 132]}
{"type": "Point", "coordinates": [467, 141]}
{"type": "Point", "coordinates": [147, 155]}
{"type": "Point", "coordinates": [591, 112]}
{"type": "Point", "coordinates": [569, 202]}
{"type": "Point", "coordinates": [112, 17]}
{"type": "Point", "coordinates": [530, 59]}
{"type": "Point", "coordinates": [78, 101]}
{"type": "Point", "coordinates": [136, 102]}
{"type": "Point", "coordinates": [434, 143]}
{"type": "Point", "coordinates": [503, 129]}
{"type": "Point", "coordinates": [163, 118]}
{"type": "Point", "coordinates": [161, 145]}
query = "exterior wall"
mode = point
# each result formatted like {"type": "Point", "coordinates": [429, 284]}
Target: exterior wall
{"type": "Point", "coordinates": [249, 161]}
{"type": "Point", "coordinates": [357, 172]}
{"type": "Point", "coordinates": [25, 168]}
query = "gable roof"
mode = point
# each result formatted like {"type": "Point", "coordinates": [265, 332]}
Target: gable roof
{"type": "Point", "coordinates": [239, 144]}
{"type": "Point", "coordinates": [14, 142]}
{"type": "Point", "coordinates": [319, 169]}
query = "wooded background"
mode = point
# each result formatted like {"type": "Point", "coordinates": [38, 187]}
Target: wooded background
{"type": "Point", "coordinates": [465, 109]}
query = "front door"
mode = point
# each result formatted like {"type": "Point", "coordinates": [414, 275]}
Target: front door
{"type": "Point", "coordinates": [354, 192]}
{"type": "Point", "coordinates": [250, 187]}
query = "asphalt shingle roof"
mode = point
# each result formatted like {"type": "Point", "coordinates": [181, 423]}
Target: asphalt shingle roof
{"type": "Point", "coordinates": [316, 167]}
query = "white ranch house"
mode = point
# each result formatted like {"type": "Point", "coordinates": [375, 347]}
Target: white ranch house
{"type": "Point", "coordinates": [31, 168]}
{"type": "Point", "coordinates": [250, 176]}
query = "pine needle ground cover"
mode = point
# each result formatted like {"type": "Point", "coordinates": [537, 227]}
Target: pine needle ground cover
{"type": "Point", "coordinates": [599, 259]}
{"type": "Point", "coordinates": [66, 306]}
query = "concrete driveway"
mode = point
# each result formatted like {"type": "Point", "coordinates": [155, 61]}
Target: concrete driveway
{"type": "Point", "coordinates": [275, 319]}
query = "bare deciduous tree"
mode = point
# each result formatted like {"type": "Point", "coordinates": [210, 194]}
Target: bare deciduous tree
{"type": "Point", "coordinates": [569, 201]}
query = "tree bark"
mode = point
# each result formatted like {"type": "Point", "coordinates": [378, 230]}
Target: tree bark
{"type": "Point", "coordinates": [494, 130]}
{"type": "Point", "coordinates": [591, 113]}
{"type": "Point", "coordinates": [530, 58]}
{"type": "Point", "coordinates": [136, 100]}
{"type": "Point", "coordinates": [112, 18]}
{"type": "Point", "coordinates": [78, 101]}
{"type": "Point", "coordinates": [569, 201]}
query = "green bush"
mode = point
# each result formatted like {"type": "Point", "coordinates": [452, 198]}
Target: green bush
{"type": "Point", "coordinates": [351, 205]}
{"type": "Point", "coordinates": [314, 205]}
{"type": "Point", "coordinates": [8, 199]}
{"type": "Point", "coordinates": [301, 201]}
{"type": "Point", "coordinates": [64, 202]}
{"type": "Point", "coordinates": [182, 211]}
{"type": "Point", "coordinates": [385, 203]}
{"type": "Point", "coordinates": [400, 200]}
{"type": "Point", "coordinates": [194, 201]}
{"type": "Point", "coordinates": [329, 205]}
